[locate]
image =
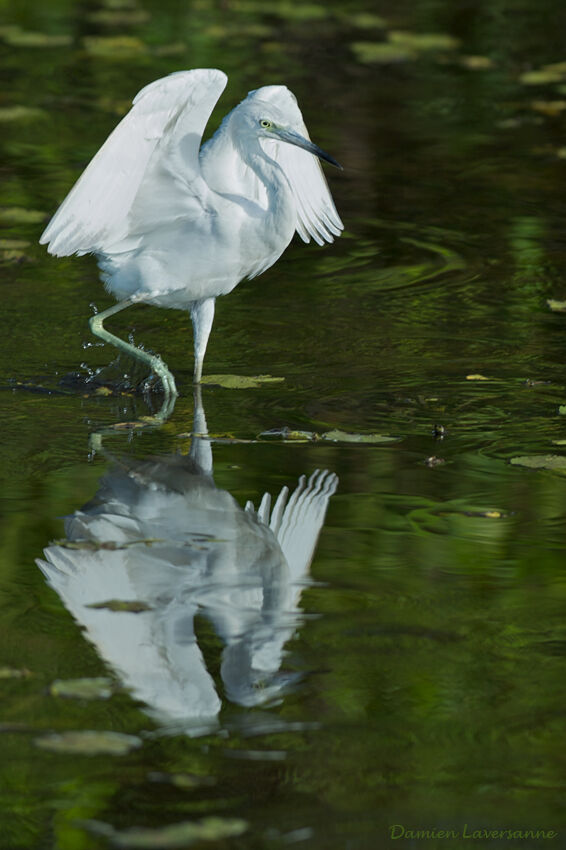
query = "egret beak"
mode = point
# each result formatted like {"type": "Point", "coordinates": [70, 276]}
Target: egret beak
{"type": "Point", "coordinates": [295, 139]}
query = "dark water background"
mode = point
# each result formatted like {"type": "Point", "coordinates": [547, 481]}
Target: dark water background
{"type": "Point", "coordinates": [430, 686]}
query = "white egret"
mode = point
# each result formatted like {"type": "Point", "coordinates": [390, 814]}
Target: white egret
{"type": "Point", "coordinates": [175, 224]}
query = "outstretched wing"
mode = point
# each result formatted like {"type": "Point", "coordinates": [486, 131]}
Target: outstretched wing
{"type": "Point", "coordinates": [317, 216]}
{"type": "Point", "coordinates": [225, 171]}
{"type": "Point", "coordinates": [167, 117]}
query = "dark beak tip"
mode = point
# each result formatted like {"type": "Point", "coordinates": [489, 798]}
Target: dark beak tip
{"type": "Point", "coordinates": [330, 159]}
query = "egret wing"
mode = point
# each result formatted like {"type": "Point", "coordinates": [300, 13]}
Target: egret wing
{"type": "Point", "coordinates": [317, 216]}
{"type": "Point", "coordinates": [166, 122]}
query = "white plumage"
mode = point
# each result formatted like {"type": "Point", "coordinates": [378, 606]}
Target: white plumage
{"type": "Point", "coordinates": [175, 224]}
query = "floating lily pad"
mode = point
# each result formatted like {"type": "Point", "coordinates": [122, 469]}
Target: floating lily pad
{"type": "Point", "coordinates": [89, 743]}
{"type": "Point", "coordinates": [13, 673]}
{"type": "Point", "coordinates": [20, 215]}
{"type": "Point", "coordinates": [549, 107]}
{"type": "Point", "coordinates": [424, 41]}
{"type": "Point", "coordinates": [477, 63]}
{"type": "Point", "coordinates": [115, 47]}
{"type": "Point", "coordinates": [173, 835]}
{"type": "Point", "coordinates": [240, 382]}
{"type": "Point", "coordinates": [13, 250]}
{"type": "Point", "coordinates": [540, 77]}
{"type": "Point", "coordinates": [120, 17]}
{"type": "Point", "coordinates": [383, 53]}
{"type": "Point", "coordinates": [555, 462]}
{"type": "Point", "coordinates": [344, 437]}
{"type": "Point", "coordinates": [131, 426]}
{"type": "Point", "coordinates": [556, 68]}
{"type": "Point", "coordinates": [119, 4]}
{"type": "Point", "coordinates": [290, 435]}
{"type": "Point", "coordinates": [284, 9]}
{"type": "Point", "coordinates": [99, 687]}
{"type": "Point", "coordinates": [13, 244]}
{"type": "Point", "coordinates": [365, 20]}
{"type": "Point", "coordinates": [19, 112]}
{"type": "Point", "coordinates": [557, 306]}
{"type": "Point", "coordinates": [17, 37]}
{"type": "Point", "coordinates": [133, 607]}
{"type": "Point", "coordinates": [230, 31]}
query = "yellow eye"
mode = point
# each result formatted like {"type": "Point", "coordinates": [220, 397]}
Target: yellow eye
{"type": "Point", "coordinates": [265, 123]}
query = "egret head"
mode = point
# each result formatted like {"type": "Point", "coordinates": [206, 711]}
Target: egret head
{"type": "Point", "coordinates": [272, 113]}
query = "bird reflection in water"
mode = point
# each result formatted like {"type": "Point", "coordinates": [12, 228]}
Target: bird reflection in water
{"type": "Point", "coordinates": [160, 534]}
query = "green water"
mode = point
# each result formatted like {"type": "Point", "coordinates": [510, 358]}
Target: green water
{"type": "Point", "coordinates": [424, 682]}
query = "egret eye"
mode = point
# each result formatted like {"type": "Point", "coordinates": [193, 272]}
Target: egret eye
{"type": "Point", "coordinates": [265, 124]}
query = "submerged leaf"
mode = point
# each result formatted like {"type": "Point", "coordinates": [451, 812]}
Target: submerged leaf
{"type": "Point", "coordinates": [238, 382]}
{"type": "Point", "coordinates": [555, 462]}
{"type": "Point", "coordinates": [99, 687]}
{"type": "Point", "coordinates": [89, 743]}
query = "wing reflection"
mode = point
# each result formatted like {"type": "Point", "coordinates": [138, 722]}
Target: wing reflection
{"type": "Point", "coordinates": [161, 534]}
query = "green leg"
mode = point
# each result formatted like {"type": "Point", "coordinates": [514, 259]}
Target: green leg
{"type": "Point", "coordinates": [154, 361]}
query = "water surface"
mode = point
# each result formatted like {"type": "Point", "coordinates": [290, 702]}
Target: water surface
{"type": "Point", "coordinates": [419, 678]}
